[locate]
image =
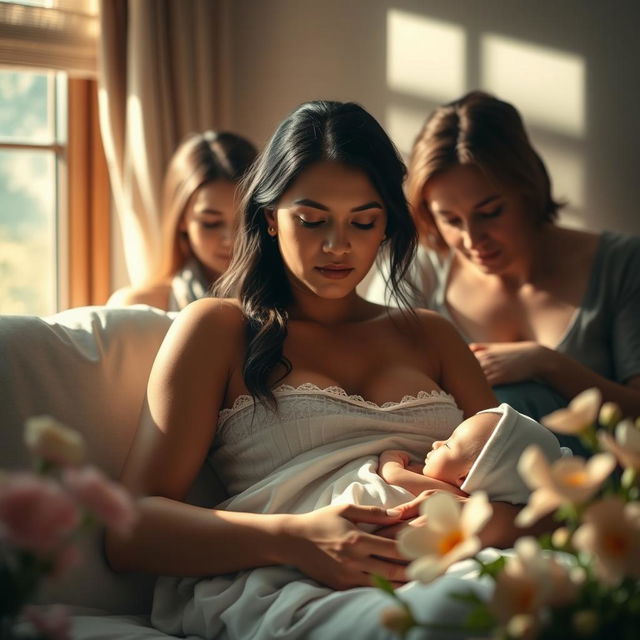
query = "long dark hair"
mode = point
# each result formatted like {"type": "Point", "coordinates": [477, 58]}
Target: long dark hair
{"type": "Point", "coordinates": [482, 130]}
{"type": "Point", "coordinates": [315, 131]}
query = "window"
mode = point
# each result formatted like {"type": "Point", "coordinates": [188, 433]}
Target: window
{"type": "Point", "coordinates": [32, 169]}
{"type": "Point", "coordinates": [54, 195]}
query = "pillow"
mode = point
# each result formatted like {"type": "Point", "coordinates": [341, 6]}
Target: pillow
{"type": "Point", "coordinates": [88, 367]}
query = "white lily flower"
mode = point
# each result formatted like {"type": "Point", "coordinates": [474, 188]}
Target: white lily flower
{"type": "Point", "coordinates": [51, 440]}
{"type": "Point", "coordinates": [568, 480]}
{"type": "Point", "coordinates": [611, 534]}
{"type": "Point", "coordinates": [448, 535]}
{"type": "Point", "coordinates": [529, 581]}
{"type": "Point", "coordinates": [581, 413]}
{"type": "Point", "coordinates": [625, 446]}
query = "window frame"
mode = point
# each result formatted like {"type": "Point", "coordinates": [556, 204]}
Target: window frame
{"type": "Point", "coordinates": [88, 236]}
{"type": "Point", "coordinates": [63, 37]}
{"type": "Point", "coordinates": [83, 237]}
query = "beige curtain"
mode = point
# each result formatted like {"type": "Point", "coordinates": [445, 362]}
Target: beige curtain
{"type": "Point", "coordinates": [159, 74]}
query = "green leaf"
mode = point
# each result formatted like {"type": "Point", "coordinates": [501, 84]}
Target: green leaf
{"type": "Point", "coordinates": [470, 597]}
{"type": "Point", "coordinates": [480, 619]}
{"type": "Point", "coordinates": [493, 568]}
{"type": "Point", "coordinates": [383, 584]}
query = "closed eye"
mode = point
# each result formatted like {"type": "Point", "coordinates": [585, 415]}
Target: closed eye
{"type": "Point", "coordinates": [452, 222]}
{"type": "Point", "coordinates": [363, 225]}
{"type": "Point", "coordinates": [212, 225]}
{"type": "Point", "coordinates": [492, 214]}
{"type": "Point", "coordinates": [308, 224]}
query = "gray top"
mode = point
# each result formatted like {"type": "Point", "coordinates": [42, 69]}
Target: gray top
{"type": "Point", "coordinates": [604, 333]}
{"type": "Point", "coordinates": [187, 285]}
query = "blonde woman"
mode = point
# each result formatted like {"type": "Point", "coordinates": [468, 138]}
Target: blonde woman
{"type": "Point", "coordinates": [199, 208]}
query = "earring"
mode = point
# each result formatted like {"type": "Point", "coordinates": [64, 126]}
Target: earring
{"type": "Point", "coordinates": [272, 231]}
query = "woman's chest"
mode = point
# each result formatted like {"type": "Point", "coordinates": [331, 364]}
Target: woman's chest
{"type": "Point", "coordinates": [494, 313]}
{"type": "Point", "coordinates": [381, 366]}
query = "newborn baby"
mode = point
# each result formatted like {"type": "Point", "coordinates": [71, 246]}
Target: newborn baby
{"type": "Point", "coordinates": [482, 453]}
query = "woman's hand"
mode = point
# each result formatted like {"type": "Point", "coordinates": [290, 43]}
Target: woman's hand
{"type": "Point", "coordinates": [506, 362]}
{"type": "Point", "coordinates": [410, 512]}
{"type": "Point", "coordinates": [411, 509]}
{"type": "Point", "coordinates": [326, 545]}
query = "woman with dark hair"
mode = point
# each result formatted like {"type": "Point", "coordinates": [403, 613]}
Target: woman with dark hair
{"type": "Point", "coordinates": [199, 206]}
{"type": "Point", "coordinates": [548, 311]}
{"type": "Point", "coordinates": [290, 388]}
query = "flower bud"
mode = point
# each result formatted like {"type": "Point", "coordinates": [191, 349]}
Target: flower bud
{"type": "Point", "coordinates": [578, 575]}
{"type": "Point", "coordinates": [396, 619]}
{"type": "Point", "coordinates": [52, 441]}
{"type": "Point", "coordinates": [629, 477]}
{"type": "Point", "coordinates": [585, 623]}
{"type": "Point", "coordinates": [521, 625]}
{"type": "Point", "coordinates": [561, 537]}
{"type": "Point", "coordinates": [610, 414]}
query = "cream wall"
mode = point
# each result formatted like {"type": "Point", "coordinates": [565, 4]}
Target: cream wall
{"type": "Point", "coordinates": [570, 66]}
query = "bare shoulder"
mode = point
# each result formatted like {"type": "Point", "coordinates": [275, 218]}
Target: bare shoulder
{"type": "Point", "coordinates": [435, 327]}
{"type": "Point", "coordinates": [211, 317]}
{"type": "Point", "coordinates": [419, 325]}
{"type": "Point", "coordinates": [203, 343]}
{"type": "Point", "coordinates": [156, 295]}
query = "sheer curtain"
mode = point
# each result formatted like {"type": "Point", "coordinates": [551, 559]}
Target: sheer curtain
{"type": "Point", "coordinates": [160, 68]}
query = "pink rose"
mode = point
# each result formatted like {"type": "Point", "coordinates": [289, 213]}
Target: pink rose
{"type": "Point", "coordinates": [104, 498]}
{"type": "Point", "coordinates": [35, 513]}
{"type": "Point", "coordinates": [51, 622]}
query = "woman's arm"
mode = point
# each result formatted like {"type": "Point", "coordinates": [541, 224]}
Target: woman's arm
{"type": "Point", "coordinates": [570, 377]}
{"type": "Point", "coordinates": [184, 395]}
{"type": "Point", "coordinates": [394, 469]}
{"type": "Point", "coordinates": [506, 362]}
{"type": "Point", "coordinates": [185, 392]}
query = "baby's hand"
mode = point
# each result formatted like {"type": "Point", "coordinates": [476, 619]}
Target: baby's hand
{"type": "Point", "coordinates": [394, 456]}
{"type": "Point", "coordinates": [391, 462]}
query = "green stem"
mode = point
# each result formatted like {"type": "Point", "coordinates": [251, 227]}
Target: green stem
{"type": "Point", "coordinates": [590, 440]}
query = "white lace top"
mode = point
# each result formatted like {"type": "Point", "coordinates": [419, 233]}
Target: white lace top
{"type": "Point", "coordinates": [253, 442]}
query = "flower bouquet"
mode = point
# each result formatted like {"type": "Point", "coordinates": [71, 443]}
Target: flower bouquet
{"type": "Point", "coordinates": [582, 580]}
{"type": "Point", "coordinates": [42, 514]}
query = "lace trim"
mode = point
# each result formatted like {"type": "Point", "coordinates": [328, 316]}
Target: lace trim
{"type": "Point", "coordinates": [245, 400]}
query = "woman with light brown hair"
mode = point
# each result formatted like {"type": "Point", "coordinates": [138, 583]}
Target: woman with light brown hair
{"type": "Point", "coordinates": [548, 311]}
{"type": "Point", "coordinates": [199, 207]}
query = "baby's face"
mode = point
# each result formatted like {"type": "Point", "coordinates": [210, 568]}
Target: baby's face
{"type": "Point", "coordinates": [450, 460]}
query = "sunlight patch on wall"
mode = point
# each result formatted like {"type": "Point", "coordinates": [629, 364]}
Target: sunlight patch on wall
{"type": "Point", "coordinates": [547, 85]}
{"type": "Point", "coordinates": [425, 57]}
{"type": "Point", "coordinates": [403, 125]}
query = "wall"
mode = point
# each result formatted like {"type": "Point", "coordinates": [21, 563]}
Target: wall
{"type": "Point", "coordinates": [570, 67]}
